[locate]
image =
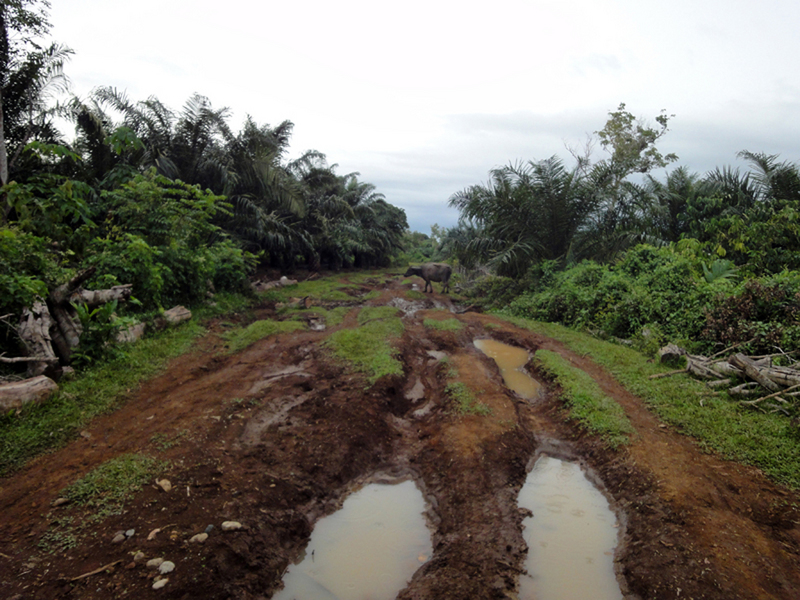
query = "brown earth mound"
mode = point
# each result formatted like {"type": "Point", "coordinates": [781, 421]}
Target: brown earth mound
{"type": "Point", "coordinates": [277, 436]}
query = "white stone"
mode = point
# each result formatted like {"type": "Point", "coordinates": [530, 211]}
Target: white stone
{"type": "Point", "coordinates": [199, 538]}
{"type": "Point", "coordinates": [154, 563]}
{"type": "Point", "coordinates": [231, 526]}
{"type": "Point", "coordinates": [166, 567]}
{"type": "Point", "coordinates": [160, 583]}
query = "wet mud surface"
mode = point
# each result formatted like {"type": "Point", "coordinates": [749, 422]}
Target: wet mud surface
{"type": "Point", "coordinates": [276, 437]}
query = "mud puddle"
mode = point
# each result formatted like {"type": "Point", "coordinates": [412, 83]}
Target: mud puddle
{"type": "Point", "coordinates": [571, 536]}
{"type": "Point", "coordinates": [370, 548]}
{"type": "Point", "coordinates": [511, 361]}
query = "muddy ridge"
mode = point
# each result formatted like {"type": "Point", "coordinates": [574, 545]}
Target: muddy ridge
{"type": "Point", "coordinates": [276, 436]}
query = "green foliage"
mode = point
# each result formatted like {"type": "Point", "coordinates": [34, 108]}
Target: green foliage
{"type": "Point", "coordinates": [631, 142]}
{"type": "Point", "coordinates": [588, 404]}
{"type": "Point", "coordinates": [100, 327]}
{"type": "Point", "coordinates": [27, 269]}
{"type": "Point", "coordinates": [240, 339]}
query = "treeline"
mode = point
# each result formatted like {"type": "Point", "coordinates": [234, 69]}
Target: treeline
{"type": "Point", "coordinates": [177, 203]}
{"type": "Point", "coordinates": [708, 260]}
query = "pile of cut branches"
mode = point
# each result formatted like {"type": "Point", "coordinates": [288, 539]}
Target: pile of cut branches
{"type": "Point", "coordinates": [777, 388]}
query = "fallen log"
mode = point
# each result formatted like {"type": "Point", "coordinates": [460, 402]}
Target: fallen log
{"type": "Point", "coordinates": [753, 371]}
{"type": "Point", "coordinates": [18, 393]}
{"type": "Point", "coordinates": [92, 298]}
{"type": "Point", "coordinates": [177, 314]}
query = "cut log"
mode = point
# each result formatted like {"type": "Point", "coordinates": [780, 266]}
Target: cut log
{"type": "Point", "coordinates": [93, 298]}
{"type": "Point", "coordinates": [753, 371]}
{"type": "Point", "coordinates": [34, 331]}
{"type": "Point", "coordinates": [176, 315]}
{"type": "Point", "coordinates": [131, 334]}
{"type": "Point", "coordinates": [671, 354]}
{"type": "Point", "coordinates": [18, 393]}
{"type": "Point", "coordinates": [725, 368]}
{"type": "Point", "coordinates": [697, 367]}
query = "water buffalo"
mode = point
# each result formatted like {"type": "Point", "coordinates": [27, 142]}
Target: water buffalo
{"type": "Point", "coordinates": [432, 272]}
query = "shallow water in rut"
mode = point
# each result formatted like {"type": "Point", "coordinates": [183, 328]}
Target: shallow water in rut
{"type": "Point", "coordinates": [571, 536]}
{"type": "Point", "coordinates": [511, 360]}
{"type": "Point", "coordinates": [369, 548]}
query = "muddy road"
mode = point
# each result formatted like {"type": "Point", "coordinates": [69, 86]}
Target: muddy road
{"type": "Point", "coordinates": [277, 436]}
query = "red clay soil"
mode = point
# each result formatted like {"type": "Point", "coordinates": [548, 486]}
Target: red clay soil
{"type": "Point", "coordinates": [278, 435]}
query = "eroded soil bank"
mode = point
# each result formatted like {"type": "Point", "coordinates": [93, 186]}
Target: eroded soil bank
{"type": "Point", "coordinates": [278, 435]}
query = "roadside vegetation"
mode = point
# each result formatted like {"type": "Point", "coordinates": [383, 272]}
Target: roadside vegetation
{"type": "Point", "coordinates": [770, 442]}
{"type": "Point", "coordinates": [588, 405]}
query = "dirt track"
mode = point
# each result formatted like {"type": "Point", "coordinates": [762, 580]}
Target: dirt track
{"type": "Point", "coordinates": [278, 435]}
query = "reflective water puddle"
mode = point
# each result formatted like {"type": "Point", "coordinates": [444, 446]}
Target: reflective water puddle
{"type": "Point", "coordinates": [571, 536]}
{"type": "Point", "coordinates": [511, 359]}
{"type": "Point", "coordinates": [370, 548]}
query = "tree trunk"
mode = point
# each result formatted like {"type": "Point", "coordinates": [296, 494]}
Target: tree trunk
{"type": "Point", "coordinates": [34, 331]}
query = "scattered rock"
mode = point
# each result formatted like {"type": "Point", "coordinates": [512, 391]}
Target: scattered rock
{"type": "Point", "coordinates": [164, 484]}
{"type": "Point", "coordinates": [231, 526]}
{"type": "Point", "coordinates": [138, 557]}
{"type": "Point", "coordinates": [209, 529]}
{"type": "Point", "coordinates": [160, 583]}
{"type": "Point", "coordinates": [130, 533]}
{"type": "Point", "coordinates": [60, 502]}
{"type": "Point", "coordinates": [199, 538]}
{"type": "Point", "coordinates": [119, 538]}
{"type": "Point", "coordinates": [166, 567]}
{"type": "Point", "coordinates": [86, 435]}
{"type": "Point", "coordinates": [154, 563]}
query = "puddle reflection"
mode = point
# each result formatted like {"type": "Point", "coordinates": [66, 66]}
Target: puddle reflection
{"type": "Point", "coordinates": [370, 548]}
{"type": "Point", "coordinates": [571, 536]}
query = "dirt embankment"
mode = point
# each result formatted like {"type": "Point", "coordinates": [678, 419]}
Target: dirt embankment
{"type": "Point", "coordinates": [278, 435]}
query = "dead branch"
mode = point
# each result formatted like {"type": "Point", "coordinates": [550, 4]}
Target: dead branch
{"type": "Point", "coordinates": [96, 571]}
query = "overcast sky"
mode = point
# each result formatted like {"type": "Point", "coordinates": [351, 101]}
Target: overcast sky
{"type": "Point", "coordinates": [423, 98]}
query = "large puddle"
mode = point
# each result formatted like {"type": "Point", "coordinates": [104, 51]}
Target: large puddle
{"type": "Point", "coordinates": [370, 548]}
{"type": "Point", "coordinates": [511, 360]}
{"type": "Point", "coordinates": [571, 536]}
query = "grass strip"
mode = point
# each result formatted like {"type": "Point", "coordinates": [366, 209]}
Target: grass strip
{"type": "Point", "coordinates": [368, 348]}
{"type": "Point", "coordinates": [588, 404]}
{"type": "Point", "coordinates": [444, 324]}
{"type": "Point", "coordinates": [239, 339]}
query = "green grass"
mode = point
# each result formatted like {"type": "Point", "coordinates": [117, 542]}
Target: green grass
{"type": "Point", "coordinates": [722, 425]}
{"type": "Point", "coordinates": [588, 404]}
{"type": "Point", "coordinates": [113, 482]}
{"type": "Point", "coordinates": [368, 348]}
{"type": "Point", "coordinates": [99, 389]}
{"type": "Point", "coordinates": [466, 402]}
{"type": "Point", "coordinates": [240, 339]}
{"type": "Point", "coordinates": [415, 295]}
{"type": "Point", "coordinates": [444, 325]}
{"type": "Point", "coordinates": [327, 289]}
{"type": "Point", "coordinates": [104, 490]}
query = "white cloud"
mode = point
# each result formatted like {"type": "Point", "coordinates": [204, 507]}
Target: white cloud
{"type": "Point", "coordinates": [424, 97]}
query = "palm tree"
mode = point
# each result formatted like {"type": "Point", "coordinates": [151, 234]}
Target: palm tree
{"type": "Point", "coordinates": [528, 212]}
